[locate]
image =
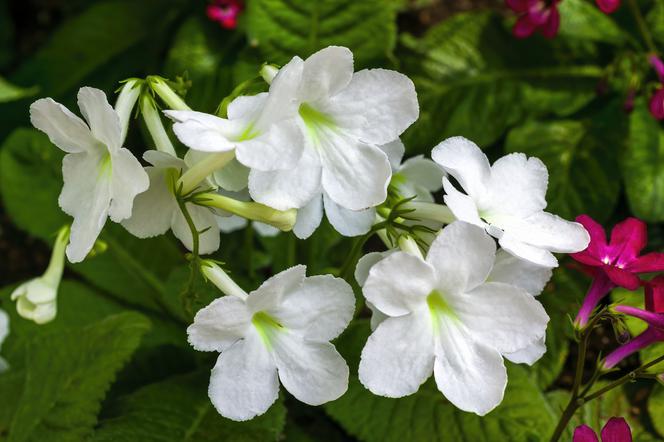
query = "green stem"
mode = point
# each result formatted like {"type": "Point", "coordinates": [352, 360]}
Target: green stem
{"type": "Point", "coordinates": [348, 268]}
{"type": "Point", "coordinates": [192, 226]}
{"type": "Point", "coordinates": [642, 25]}
{"type": "Point", "coordinates": [283, 220]}
{"type": "Point", "coordinates": [623, 380]}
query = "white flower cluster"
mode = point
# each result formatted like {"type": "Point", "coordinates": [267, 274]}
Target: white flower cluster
{"type": "Point", "coordinates": [324, 139]}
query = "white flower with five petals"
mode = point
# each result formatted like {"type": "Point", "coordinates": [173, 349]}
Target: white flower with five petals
{"type": "Point", "coordinates": [279, 332]}
{"type": "Point", "coordinates": [316, 132]}
{"type": "Point", "coordinates": [445, 317]}
{"type": "Point", "coordinates": [156, 211]}
{"type": "Point", "coordinates": [101, 178]}
{"type": "Point", "coordinates": [508, 200]}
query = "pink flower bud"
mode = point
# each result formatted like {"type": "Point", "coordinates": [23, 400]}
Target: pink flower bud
{"type": "Point", "coordinates": [608, 6]}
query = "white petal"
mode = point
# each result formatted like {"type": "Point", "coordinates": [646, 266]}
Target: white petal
{"type": "Point", "coordinates": [313, 372]}
{"type": "Point", "coordinates": [399, 284]}
{"type": "Point", "coordinates": [102, 118]}
{"type": "Point", "coordinates": [309, 218]}
{"type": "Point", "coordinates": [165, 160]}
{"type": "Point", "coordinates": [244, 381]}
{"type": "Point", "coordinates": [265, 230]}
{"type": "Point", "coordinates": [128, 180]}
{"type": "Point", "coordinates": [154, 209]}
{"type": "Point", "coordinates": [320, 309]}
{"type": "Point", "coordinates": [470, 375]}
{"type": "Point", "coordinates": [279, 147]}
{"type": "Point", "coordinates": [228, 224]}
{"type": "Point", "coordinates": [462, 159]}
{"type": "Point", "coordinates": [518, 272]}
{"type": "Point", "coordinates": [517, 185]}
{"type": "Point", "coordinates": [377, 317]}
{"type": "Point", "coordinates": [4, 366]}
{"type": "Point", "coordinates": [233, 176]}
{"type": "Point", "coordinates": [394, 151]}
{"type": "Point", "coordinates": [287, 189]}
{"type": "Point", "coordinates": [86, 195]}
{"type": "Point", "coordinates": [501, 316]}
{"type": "Point", "coordinates": [4, 326]}
{"type": "Point", "coordinates": [377, 106]}
{"type": "Point", "coordinates": [423, 172]}
{"type": "Point", "coordinates": [398, 356]}
{"type": "Point", "coordinates": [511, 243]}
{"type": "Point", "coordinates": [528, 355]}
{"type": "Point", "coordinates": [204, 219]}
{"type": "Point", "coordinates": [246, 107]}
{"type": "Point", "coordinates": [547, 231]}
{"type": "Point", "coordinates": [326, 73]}
{"type": "Point", "coordinates": [283, 101]}
{"type": "Point", "coordinates": [365, 264]}
{"type": "Point", "coordinates": [269, 295]}
{"type": "Point", "coordinates": [462, 206]}
{"type": "Point", "coordinates": [219, 325]}
{"type": "Point", "coordinates": [348, 222]}
{"type": "Point", "coordinates": [463, 255]}
{"type": "Point", "coordinates": [355, 175]}
{"type": "Point", "coordinates": [64, 129]}
{"type": "Point", "coordinates": [205, 132]}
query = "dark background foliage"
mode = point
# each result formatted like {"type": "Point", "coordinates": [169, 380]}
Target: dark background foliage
{"type": "Point", "coordinates": [115, 364]}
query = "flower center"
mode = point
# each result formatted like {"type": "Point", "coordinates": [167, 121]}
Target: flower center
{"type": "Point", "coordinates": [105, 166]}
{"type": "Point", "coordinates": [315, 121]}
{"type": "Point", "coordinates": [439, 309]}
{"type": "Point", "coordinates": [267, 327]}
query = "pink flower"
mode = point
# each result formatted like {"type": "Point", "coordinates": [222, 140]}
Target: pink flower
{"type": "Point", "coordinates": [656, 104]}
{"type": "Point", "coordinates": [658, 65]}
{"type": "Point", "coordinates": [617, 263]}
{"type": "Point", "coordinates": [653, 315]}
{"type": "Point", "coordinates": [224, 12]}
{"type": "Point", "coordinates": [608, 6]}
{"type": "Point", "coordinates": [615, 430]}
{"type": "Point", "coordinates": [535, 15]}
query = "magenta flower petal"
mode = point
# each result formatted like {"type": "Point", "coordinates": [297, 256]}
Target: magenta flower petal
{"type": "Point", "coordinates": [650, 262]}
{"type": "Point", "coordinates": [658, 65]}
{"type": "Point", "coordinates": [520, 6]}
{"type": "Point", "coordinates": [583, 433]}
{"type": "Point", "coordinates": [599, 288]}
{"type": "Point", "coordinates": [550, 28]}
{"type": "Point", "coordinates": [622, 278]}
{"type": "Point", "coordinates": [656, 104]}
{"type": "Point", "coordinates": [643, 340]}
{"type": "Point", "coordinates": [655, 320]}
{"type": "Point", "coordinates": [596, 249]}
{"type": "Point", "coordinates": [616, 430]}
{"type": "Point", "coordinates": [655, 295]}
{"type": "Point", "coordinates": [628, 238]}
{"type": "Point", "coordinates": [523, 27]}
{"type": "Point", "coordinates": [608, 6]}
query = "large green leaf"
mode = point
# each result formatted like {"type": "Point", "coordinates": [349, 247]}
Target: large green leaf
{"type": "Point", "coordinates": [643, 165]}
{"type": "Point", "coordinates": [91, 39]}
{"type": "Point", "coordinates": [582, 167]}
{"type": "Point", "coordinates": [584, 21]}
{"type": "Point", "coordinates": [655, 19]}
{"type": "Point", "coordinates": [524, 414]}
{"type": "Point", "coordinates": [475, 79]}
{"type": "Point", "coordinates": [9, 92]}
{"type": "Point", "coordinates": [30, 182]}
{"type": "Point", "coordinates": [284, 28]}
{"type": "Point", "coordinates": [179, 409]}
{"type": "Point", "coordinates": [68, 373]}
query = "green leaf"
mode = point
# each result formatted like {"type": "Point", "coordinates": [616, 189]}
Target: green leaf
{"type": "Point", "coordinates": [9, 92]}
{"type": "Point", "coordinates": [284, 28]}
{"type": "Point", "coordinates": [524, 414]}
{"type": "Point", "coordinates": [582, 168]}
{"type": "Point", "coordinates": [179, 409]}
{"type": "Point", "coordinates": [30, 182]}
{"type": "Point", "coordinates": [643, 165]}
{"type": "Point", "coordinates": [68, 373]}
{"type": "Point", "coordinates": [655, 20]}
{"type": "Point", "coordinates": [656, 408]}
{"type": "Point", "coordinates": [86, 42]}
{"type": "Point", "coordinates": [584, 21]}
{"type": "Point", "coordinates": [475, 79]}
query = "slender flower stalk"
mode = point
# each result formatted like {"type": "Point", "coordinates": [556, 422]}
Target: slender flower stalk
{"type": "Point", "coordinates": [430, 211]}
{"type": "Point", "coordinates": [282, 219]}
{"type": "Point", "coordinates": [216, 275]}
{"type": "Point", "coordinates": [126, 102]}
{"type": "Point", "coordinates": [170, 97]}
{"type": "Point", "coordinates": [155, 125]}
{"type": "Point", "coordinates": [193, 177]}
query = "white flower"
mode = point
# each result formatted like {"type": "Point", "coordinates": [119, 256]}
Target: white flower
{"type": "Point", "coordinates": [508, 200]}
{"type": "Point", "coordinates": [316, 131]}
{"type": "Point", "coordinates": [101, 178]}
{"type": "Point", "coordinates": [417, 177]}
{"type": "Point", "coordinates": [4, 332]}
{"type": "Point", "coordinates": [279, 332]}
{"type": "Point", "coordinates": [445, 317]}
{"type": "Point", "coordinates": [36, 299]}
{"type": "Point", "coordinates": [156, 210]}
